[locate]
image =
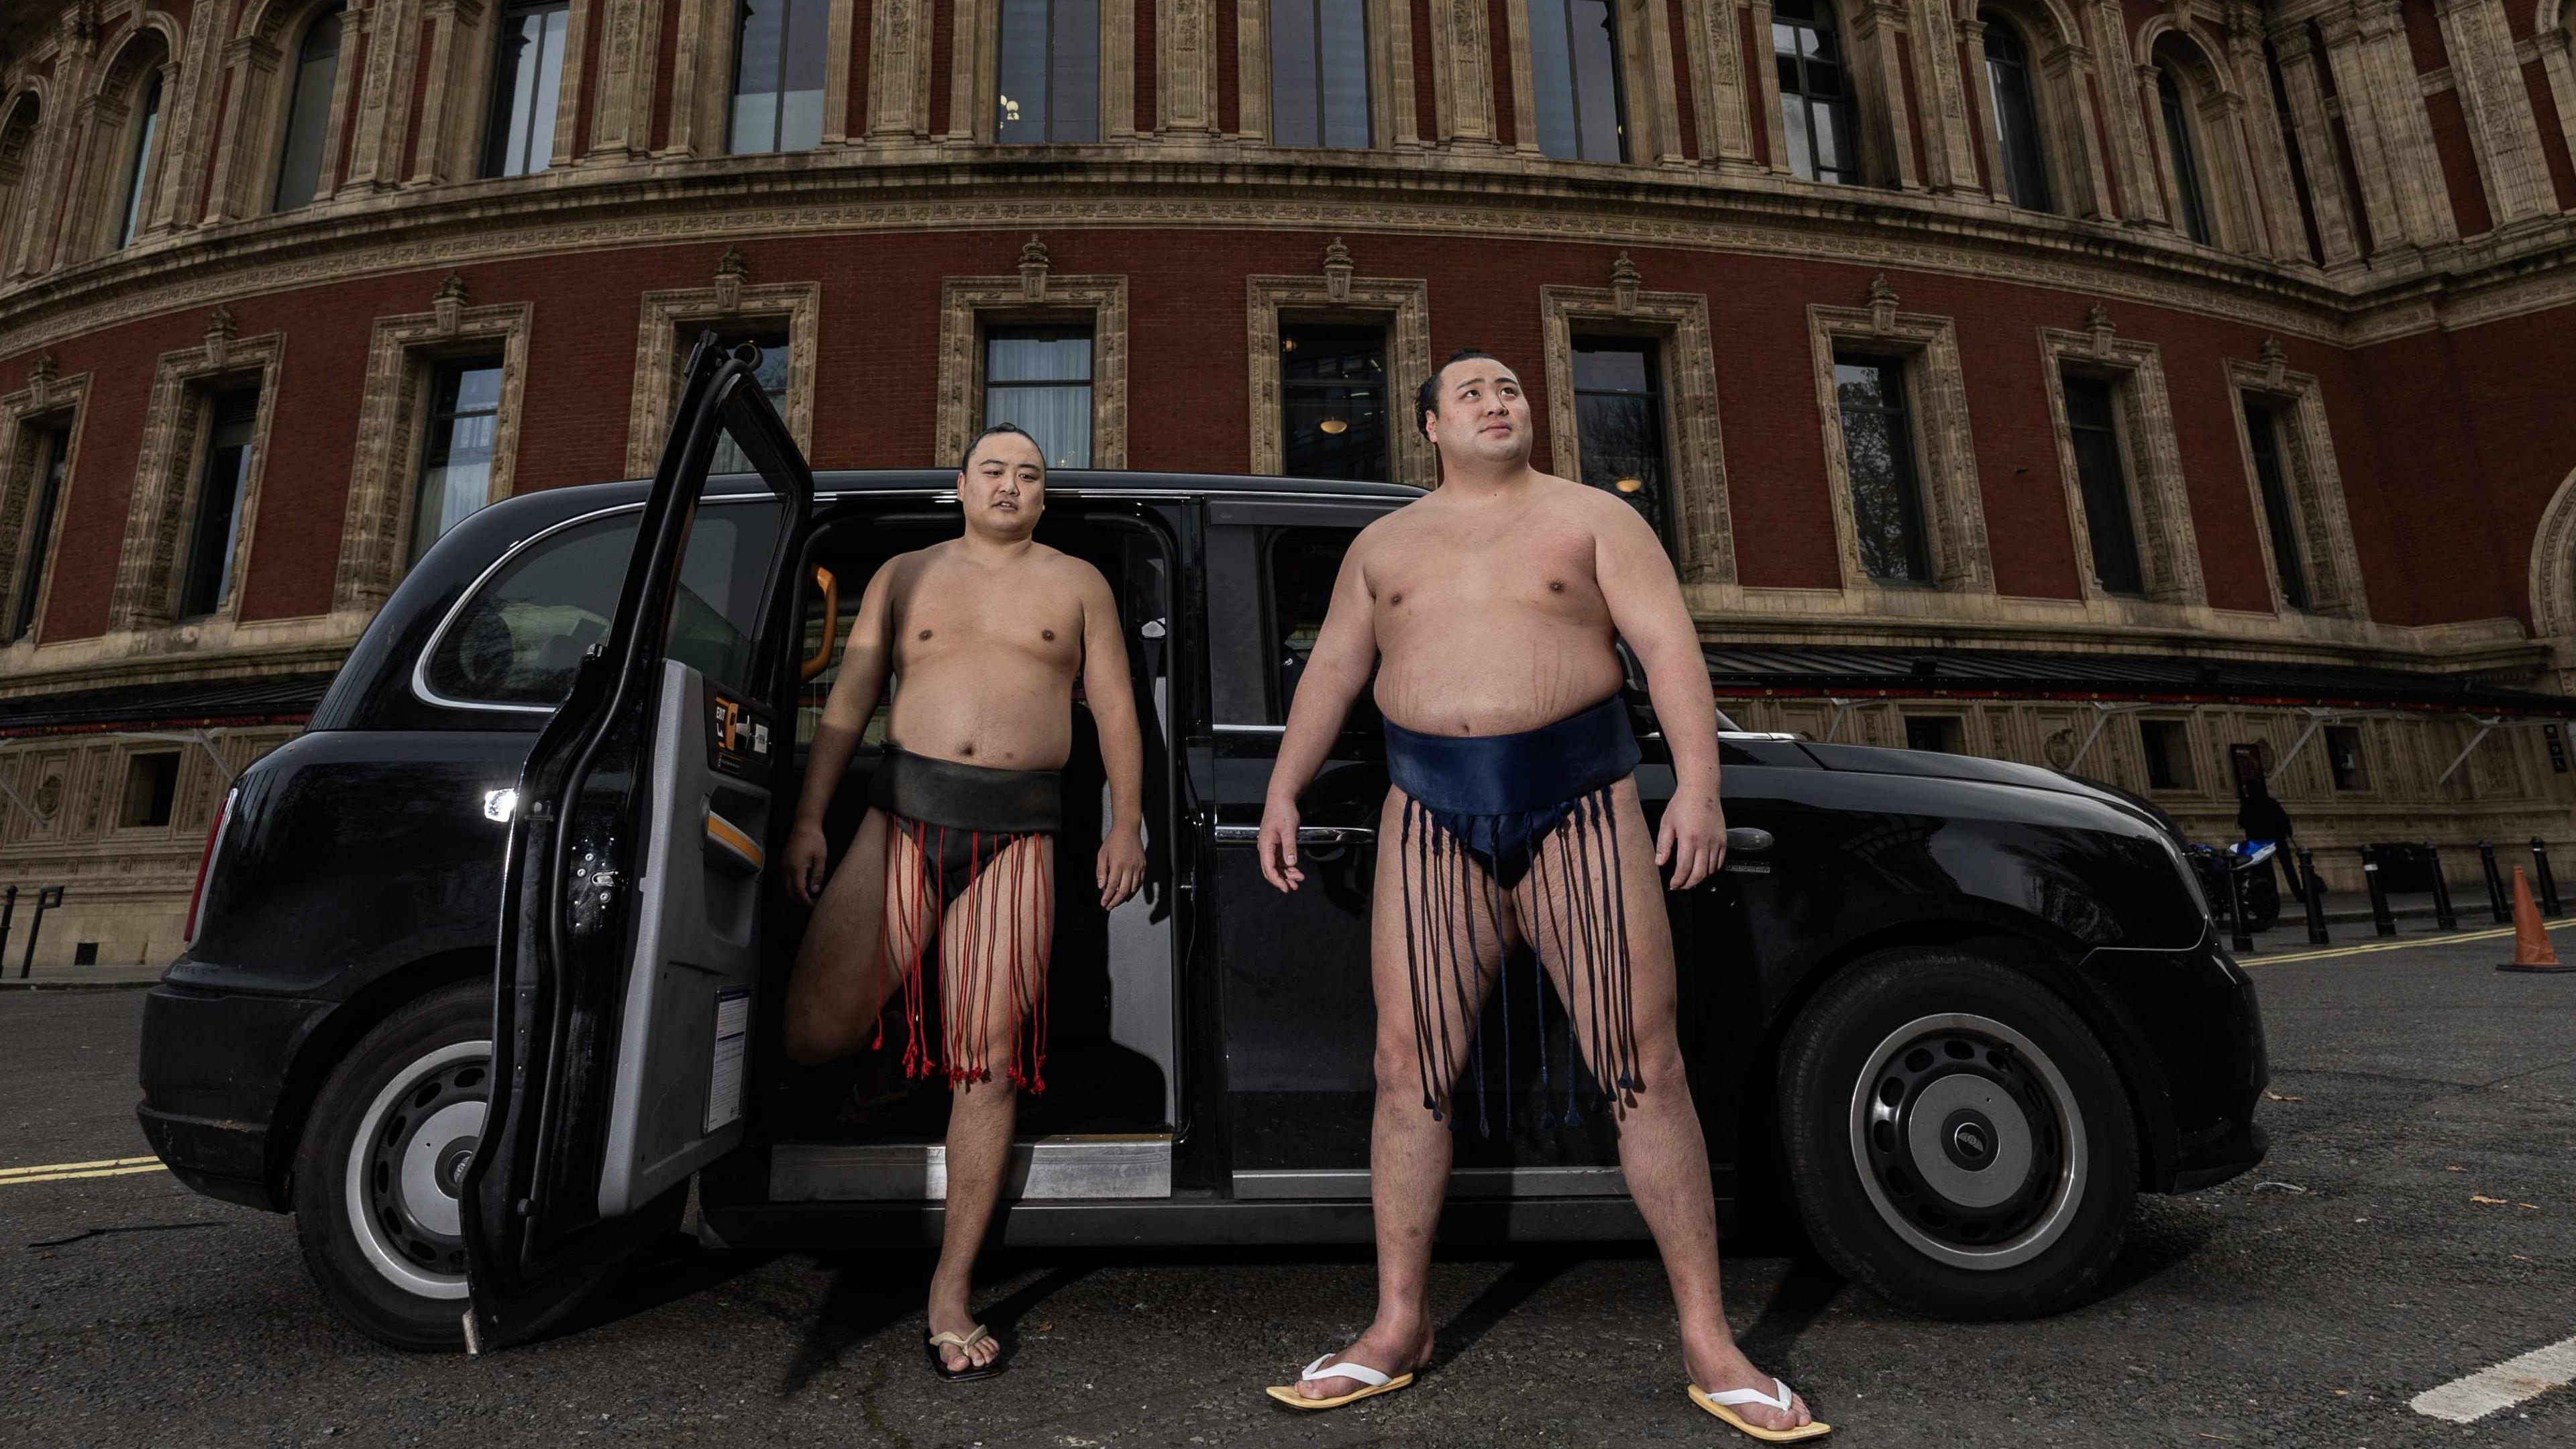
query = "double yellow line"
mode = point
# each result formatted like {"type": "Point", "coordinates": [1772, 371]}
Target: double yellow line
{"type": "Point", "coordinates": [66, 1171]}
{"type": "Point", "coordinates": [2441, 940]}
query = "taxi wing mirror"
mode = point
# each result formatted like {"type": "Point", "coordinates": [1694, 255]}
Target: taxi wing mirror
{"type": "Point", "coordinates": [822, 656]}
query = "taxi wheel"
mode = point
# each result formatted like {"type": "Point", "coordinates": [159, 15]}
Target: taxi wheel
{"type": "Point", "coordinates": [1957, 1139]}
{"type": "Point", "coordinates": [377, 1171]}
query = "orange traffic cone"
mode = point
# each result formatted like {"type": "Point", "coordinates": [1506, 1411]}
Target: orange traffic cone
{"type": "Point", "coordinates": [2531, 948]}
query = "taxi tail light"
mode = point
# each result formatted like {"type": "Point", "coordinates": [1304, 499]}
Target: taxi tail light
{"type": "Point", "coordinates": [206, 866]}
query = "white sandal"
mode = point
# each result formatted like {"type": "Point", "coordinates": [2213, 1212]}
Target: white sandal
{"type": "Point", "coordinates": [1718, 1402]}
{"type": "Point", "coordinates": [1372, 1381]}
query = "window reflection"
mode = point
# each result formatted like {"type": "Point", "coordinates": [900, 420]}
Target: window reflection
{"type": "Point", "coordinates": [2191, 198]}
{"type": "Point", "coordinates": [308, 113]}
{"type": "Point", "coordinates": [213, 538]}
{"type": "Point", "coordinates": [1050, 73]}
{"type": "Point", "coordinates": [1319, 73]}
{"type": "Point", "coordinates": [1815, 98]}
{"type": "Point", "coordinates": [778, 75]}
{"type": "Point", "coordinates": [1619, 424]}
{"type": "Point", "coordinates": [1878, 452]}
{"type": "Point", "coordinates": [1574, 72]}
{"type": "Point", "coordinates": [147, 133]}
{"type": "Point", "coordinates": [2016, 114]}
{"type": "Point", "coordinates": [1332, 403]}
{"type": "Point", "coordinates": [456, 449]}
{"type": "Point", "coordinates": [527, 80]}
{"type": "Point", "coordinates": [1039, 378]}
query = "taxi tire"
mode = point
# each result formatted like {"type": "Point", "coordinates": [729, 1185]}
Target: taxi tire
{"type": "Point", "coordinates": [1822, 1059]}
{"type": "Point", "coordinates": [332, 1255]}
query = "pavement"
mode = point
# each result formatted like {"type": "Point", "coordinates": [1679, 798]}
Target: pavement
{"type": "Point", "coordinates": [2416, 1223]}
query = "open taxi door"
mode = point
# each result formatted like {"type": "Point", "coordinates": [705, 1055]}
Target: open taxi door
{"type": "Point", "coordinates": [630, 919]}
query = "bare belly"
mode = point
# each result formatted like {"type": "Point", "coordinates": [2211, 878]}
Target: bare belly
{"type": "Point", "coordinates": [1467, 680]}
{"type": "Point", "coordinates": [994, 707]}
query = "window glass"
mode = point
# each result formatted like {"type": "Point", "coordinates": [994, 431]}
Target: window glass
{"type": "Point", "coordinates": [53, 456]}
{"type": "Point", "coordinates": [778, 75]}
{"type": "Point", "coordinates": [1050, 72]}
{"type": "Point", "coordinates": [1815, 109]}
{"type": "Point", "coordinates": [1332, 403]}
{"type": "Point", "coordinates": [1878, 452]}
{"type": "Point", "coordinates": [308, 113]}
{"type": "Point", "coordinates": [520, 637]}
{"type": "Point", "coordinates": [212, 539]}
{"type": "Point", "coordinates": [1302, 564]}
{"type": "Point", "coordinates": [772, 377]}
{"type": "Point", "coordinates": [2016, 113]}
{"type": "Point", "coordinates": [2102, 477]}
{"type": "Point", "coordinates": [2190, 198]}
{"type": "Point", "coordinates": [1574, 71]}
{"type": "Point", "coordinates": [527, 80]}
{"type": "Point", "coordinates": [2280, 519]}
{"type": "Point", "coordinates": [1319, 73]}
{"type": "Point", "coordinates": [1941, 733]}
{"type": "Point", "coordinates": [456, 447]}
{"type": "Point", "coordinates": [1040, 379]}
{"type": "Point", "coordinates": [1619, 423]}
{"type": "Point", "coordinates": [2345, 760]}
{"type": "Point", "coordinates": [147, 133]}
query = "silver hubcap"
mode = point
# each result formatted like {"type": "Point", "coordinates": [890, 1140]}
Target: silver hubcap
{"type": "Point", "coordinates": [407, 1167]}
{"type": "Point", "coordinates": [1968, 1141]}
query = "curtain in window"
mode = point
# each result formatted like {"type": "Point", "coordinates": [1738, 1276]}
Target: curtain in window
{"type": "Point", "coordinates": [147, 133]}
{"type": "Point", "coordinates": [2016, 114]}
{"type": "Point", "coordinates": [2280, 517]}
{"type": "Point", "coordinates": [308, 113]}
{"type": "Point", "coordinates": [1815, 107]}
{"type": "Point", "coordinates": [778, 75]}
{"type": "Point", "coordinates": [53, 456]}
{"type": "Point", "coordinates": [208, 581]}
{"type": "Point", "coordinates": [2102, 476]}
{"type": "Point", "coordinates": [1574, 72]}
{"type": "Point", "coordinates": [527, 81]}
{"type": "Point", "coordinates": [456, 454]}
{"type": "Point", "coordinates": [1319, 73]}
{"type": "Point", "coordinates": [1050, 72]}
{"type": "Point", "coordinates": [1040, 379]}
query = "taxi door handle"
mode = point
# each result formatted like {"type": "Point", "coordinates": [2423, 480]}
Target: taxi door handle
{"type": "Point", "coordinates": [1747, 839]}
{"type": "Point", "coordinates": [1306, 834]}
{"type": "Point", "coordinates": [733, 845]}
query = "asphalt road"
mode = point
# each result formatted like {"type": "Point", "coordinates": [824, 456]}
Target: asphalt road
{"type": "Point", "coordinates": [2305, 1304]}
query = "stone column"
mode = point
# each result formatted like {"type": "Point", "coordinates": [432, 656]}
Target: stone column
{"type": "Point", "coordinates": [1877, 29]}
{"type": "Point", "coordinates": [2502, 128]}
{"type": "Point", "coordinates": [250, 74]}
{"type": "Point", "coordinates": [2066, 90]}
{"type": "Point", "coordinates": [1981, 106]}
{"type": "Point", "coordinates": [630, 39]}
{"type": "Point", "coordinates": [2146, 107]}
{"type": "Point", "coordinates": [1185, 70]}
{"type": "Point", "coordinates": [384, 97]}
{"type": "Point", "coordinates": [1949, 127]}
{"type": "Point", "coordinates": [1462, 74]}
{"type": "Point", "coordinates": [1717, 72]}
{"type": "Point", "coordinates": [898, 72]}
{"type": "Point", "coordinates": [2142, 192]}
{"type": "Point", "coordinates": [2560, 67]}
{"type": "Point", "coordinates": [2375, 79]}
{"type": "Point", "coordinates": [2322, 161]}
{"type": "Point", "coordinates": [1765, 70]}
{"type": "Point", "coordinates": [187, 123]}
{"type": "Point", "coordinates": [2271, 154]}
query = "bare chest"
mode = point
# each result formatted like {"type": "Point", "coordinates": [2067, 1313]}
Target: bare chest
{"type": "Point", "coordinates": [1463, 574]}
{"type": "Point", "coordinates": [964, 616]}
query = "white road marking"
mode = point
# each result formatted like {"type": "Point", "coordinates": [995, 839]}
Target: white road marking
{"type": "Point", "coordinates": [2466, 1400]}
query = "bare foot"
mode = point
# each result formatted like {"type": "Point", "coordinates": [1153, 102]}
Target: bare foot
{"type": "Point", "coordinates": [953, 1318]}
{"type": "Point", "coordinates": [1393, 1351]}
{"type": "Point", "coordinates": [1720, 1369]}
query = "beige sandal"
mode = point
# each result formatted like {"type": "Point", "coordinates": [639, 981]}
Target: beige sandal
{"type": "Point", "coordinates": [1717, 1404]}
{"type": "Point", "coordinates": [964, 1343]}
{"type": "Point", "coordinates": [1372, 1383]}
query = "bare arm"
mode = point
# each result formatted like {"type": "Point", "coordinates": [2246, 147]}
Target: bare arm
{"type": "Point", "coordinates": [1336, 671]}
{"type": "Point", "coordinates": [865, 661]}
{"type": "Point", "coordinates": [1107, 688]}
{"type": "Point", "coordinates": [1646, 607]}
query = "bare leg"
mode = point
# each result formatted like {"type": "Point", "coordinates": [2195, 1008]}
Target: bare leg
{"type": "Point", "coordinates": [842, 976]}
{"type": "Point", "coordinates": [1662, 1150]}
{"type": "Point", "coordinates": [993, 956]}
{"type": "Point", "coordinates": [1409, 1149]}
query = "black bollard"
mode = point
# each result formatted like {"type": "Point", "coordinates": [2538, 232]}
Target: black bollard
{"type": "Point", "coordinates": [2315, 897]}
{"type": "Point", "coordinates": [46, 899]}
{"type": "Point", "coordinates": [2238, 938]}
{"type": "Point", "coordinates": [2444, 918]}
{"type": "Point", "coordinates": [2496, 903]}
{"type": "Point", "coordinates": [2381, 923]}
{"type": "Point", "coordinates": [2540, 868]}
{"type": "Point", "coordinates": [8, 910]}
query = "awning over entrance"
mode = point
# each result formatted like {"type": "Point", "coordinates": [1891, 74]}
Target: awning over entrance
{"type": "Point", "coordinates": [1748, 672]}
{"type": "Point", "coordinates": [207, 704]}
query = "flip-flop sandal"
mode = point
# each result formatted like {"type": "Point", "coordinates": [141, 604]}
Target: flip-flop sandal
{"type": "Point", "coordinates": [1372, 1383]}
{"type": "Point", "coordinates": [1717, 1404]}
{"type": "Point", "coordinates": [963, 1342]}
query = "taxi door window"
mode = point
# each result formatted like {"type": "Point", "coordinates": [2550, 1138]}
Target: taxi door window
{"type": "Point", "coordinates": [722, 573]}
{"type": "Point", "coordinates": [1302, 565]}
{"type": "Point", "coordinates": [517, 640]}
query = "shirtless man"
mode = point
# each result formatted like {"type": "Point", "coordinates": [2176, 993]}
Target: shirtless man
{"type": "Point", "coordinates": [1490, 609]}
{"type": "Point", "coordinates": [985, 633]}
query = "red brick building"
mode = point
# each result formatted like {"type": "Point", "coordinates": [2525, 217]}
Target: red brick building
{"type": "Point", "coordinates": [1979, 359]}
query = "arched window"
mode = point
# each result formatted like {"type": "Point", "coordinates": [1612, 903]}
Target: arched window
{"type": "Point", "coordinates": [145, 127]}
{"type": "Point", "coordinates": [2190, 186]}
{"type": "Point", "coordinates": [1319, 73]}
{"type": "Point", "coordinates": [1574, 73]}
{"type": "Point", "coordinates": [2016, 115]}
{"type": "Point", "coordinates": [778, 75]}
{"type": "Point", "coordinates": [308, 112]}
{"type": "Point", "coordinates": [1815, 92]}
